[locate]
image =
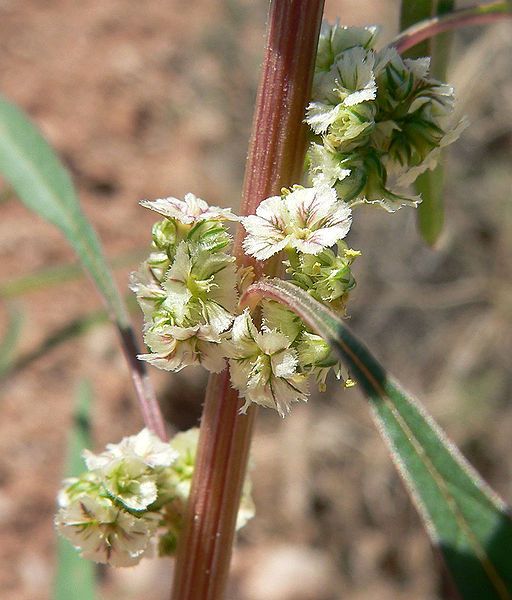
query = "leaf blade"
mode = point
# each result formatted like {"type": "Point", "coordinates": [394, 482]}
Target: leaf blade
{"type": "Point", "coordinates": [430, 216]}
{"type": "Point", "coordinates": [469, 523]}
{"type": "Point", "coordinates": [10, 340]}
{"type": "Point", "coordinates": [44, 186]}
{"type": "Point", "coordinates": [75, 576]}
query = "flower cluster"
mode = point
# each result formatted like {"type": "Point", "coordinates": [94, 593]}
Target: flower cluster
{"type": "Point", "coordinates": [188, 294]}
{"type": "Point", "coordinates": [187, 286]}
{"type": "Point", "coordinates": [272, 367]}
{"type": "Point", "coordinates": [379, 120]}
{"type": "Point", "coordinates": [132, 491]}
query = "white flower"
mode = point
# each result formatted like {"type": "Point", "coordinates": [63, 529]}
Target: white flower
{"type": "Point", "coordinates": [130, 482]}
{"type": "Point", "coordinates": [189, 211]}
{"type": "Point", "coordinates": [348, 82]}
{"type": "Point", "coordinates": [127, 470]}
{"type": "Point", "coordinates": [326, 167]}
{"type": "Point", "coordinates": [174, 348]}
{"type": "Point", "coordinates": [88, 484]}
{"type": "Point", "coordinates": [145, 446]}
{"type": "Point", "coordinates": [201, 286]}
{"type": "Point", "coordinates": [335, 38]}
{"type": "Point", "coordinates": [146, 286]}
{"type": "Point", "coordinates": [149, 447]}
{"type": "Point", "coordinates": [307, 219]}
{"type": "Point", "coordinates": [264, 367]}
{"type": "Point", "coordinates": [104, 532]}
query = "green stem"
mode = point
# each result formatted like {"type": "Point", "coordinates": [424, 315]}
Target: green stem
{"type": "Point", "coordinates": [474, 15]}
{"type": "Point", "coordinates": [275, 160]}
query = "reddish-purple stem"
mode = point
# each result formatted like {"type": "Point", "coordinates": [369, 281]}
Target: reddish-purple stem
{"type": "Point", "coordinates": [475, 15]}
{"type": "Point", "coordinates": [275, 160]}
{"type": "Point", "coordinates": [148, 403]}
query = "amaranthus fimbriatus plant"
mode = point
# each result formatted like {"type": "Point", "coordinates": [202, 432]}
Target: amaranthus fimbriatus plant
{"type": "Point", "coordinates": [376, 122]}
{"type": "Point", "coordinates": [264, 313]}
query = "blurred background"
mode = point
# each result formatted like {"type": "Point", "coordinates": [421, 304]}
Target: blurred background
{"type": "Point", "coordinates": [150, 100]}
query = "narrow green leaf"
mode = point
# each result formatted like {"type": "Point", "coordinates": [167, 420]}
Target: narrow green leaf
{"type": "Point", "coordinates": [430, 184]}
{"type": "Point", "coordinates": [430, 215]}
{"type": "Point", "coordinates": [42, 183]}
{"type": "Point", "coordinates": [30, 165]}
{"type": "Point", "coordinates": [75, 576]}
{"type": "Point", "coordinates": [469, 524]}
{"type": "Point", "coordinates": [51, 276]}
{"type": "Point", "coordinates": [411, 12]}
{"type": "Point", "coordinates": [71, 330]}
{"type": "Point", "coordinates": [9, 342]}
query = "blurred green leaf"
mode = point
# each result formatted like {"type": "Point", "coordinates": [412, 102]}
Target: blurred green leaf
{"type": "Point", "coordinates": [469, 524]}
{"type": "Point", "coordinates": [30, 165]}
{"type": "Point", "coordinates": [50, 276]}
{"type": "Point", "coordinates": [75, 576]}
{"type": "Point", "coordinates": [72, 329]}
{"type": "Point", "coordinates": [60, 335]}
{"type": "Point", "coordinates": [10, 340]}
{"type": "Point", "coordinates": [411, 12]}
{"type": "Point", "coordinates": [430, 184]}
{"type": "Point", "coordinates": [430, 216]}
{"type": "Point", "coordinates": [42, 183]}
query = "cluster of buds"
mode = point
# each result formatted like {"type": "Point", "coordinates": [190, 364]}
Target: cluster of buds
{"type": "Point", "coordinates": [379, 120]}
{"type": "Point", "coordinates": [132, 493]}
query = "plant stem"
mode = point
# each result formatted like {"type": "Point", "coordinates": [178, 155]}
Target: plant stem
{"type": "Point", "coordinates": [148, 403]}
{"type": "Point", "coordinates": [275, 160]}
{"type": "Point", "coordinates": [474, 15]}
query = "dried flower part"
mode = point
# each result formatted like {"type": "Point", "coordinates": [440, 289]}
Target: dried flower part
{"type": "Point", "coordinates": [173, 348]}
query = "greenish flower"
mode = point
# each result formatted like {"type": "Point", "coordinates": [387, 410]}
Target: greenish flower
{"type": "Point", "coordinates": [200, 287]}
{"type": "Point", "coordinates": [382, 120]}
{"type": "Point", "coordinates": [104, 532]}
{"type": "Point", "coordinates": [264, 367]}
{"type": "Point", "coordinates": [334, 39]}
